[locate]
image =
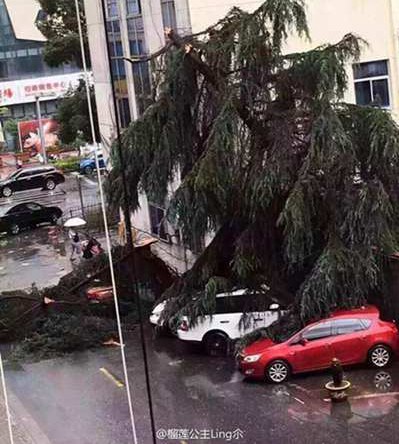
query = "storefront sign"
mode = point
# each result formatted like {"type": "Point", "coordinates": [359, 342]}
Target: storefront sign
{"type": "Point", "coordinates": [48, 88]}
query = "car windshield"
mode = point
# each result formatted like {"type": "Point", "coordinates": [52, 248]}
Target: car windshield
{"type": "Point", "coordinates": [12, 175]}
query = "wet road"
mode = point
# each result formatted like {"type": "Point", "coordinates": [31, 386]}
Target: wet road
{"type": "Point", "coordinates": [72, 401]}
{"type": "Point", "coordinates": [37, 256]}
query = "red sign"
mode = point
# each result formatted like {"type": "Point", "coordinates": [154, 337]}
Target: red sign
{"type": "Point", "coordinates": [29, 135]}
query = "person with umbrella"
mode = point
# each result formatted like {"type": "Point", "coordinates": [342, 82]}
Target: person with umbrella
{"type": "Point", "coordinates": [72, 224]}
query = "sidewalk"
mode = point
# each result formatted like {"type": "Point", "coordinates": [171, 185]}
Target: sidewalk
{"type": "Point", "coordinates": [19, 434]}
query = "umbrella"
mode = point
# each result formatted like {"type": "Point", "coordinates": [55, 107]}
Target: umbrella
{"type": "Point", "coordinates": [74, 222]}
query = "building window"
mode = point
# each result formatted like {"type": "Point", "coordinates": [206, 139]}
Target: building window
{"type": "Point", "coordinates": [372, 84]}
{"type": "Point", "coordinates": [124, 112]}
{"type": "Point", "coordinates": [112, 8]}
{"type": "Point", "coordinates": [157, 221]}
{"type": "Point", "coordinates": [133, 7]}
{"type": "Point", "coordinates": [169, 14]}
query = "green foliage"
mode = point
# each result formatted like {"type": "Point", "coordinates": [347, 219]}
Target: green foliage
{"type": "Point", "coordinates": [73, 115]}
{"type": "Point", "coordinates": [298, 188]}
{"type": "Point", "coordinates": [68, 165]}
{"type": "Point", "coordinates": [60, 27]}
{"type": "Point", "coordinates": [11, 127]}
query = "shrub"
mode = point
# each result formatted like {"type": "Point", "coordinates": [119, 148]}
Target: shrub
{"type": "Point", "coordinates": [68, 165]}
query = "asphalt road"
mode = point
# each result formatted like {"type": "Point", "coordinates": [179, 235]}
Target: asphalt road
{"type": "Point", "coordinates": [72, 401]}
{"type": "Point", "coordinates": [35, 256]}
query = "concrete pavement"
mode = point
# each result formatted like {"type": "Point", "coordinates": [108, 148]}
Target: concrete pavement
{"type": "Point", "coordinates": [35, 256]}
{"type": "Point", "coordinates": [74, 402]}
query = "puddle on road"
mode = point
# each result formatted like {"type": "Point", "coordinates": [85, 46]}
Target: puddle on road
{"type": "Point", "coordinates": [35, 258]}
{"type": "Point", "coordinates": [374, 394]}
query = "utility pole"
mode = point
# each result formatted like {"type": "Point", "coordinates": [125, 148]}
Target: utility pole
{"type": "Point", "coordinates": [41, 132]}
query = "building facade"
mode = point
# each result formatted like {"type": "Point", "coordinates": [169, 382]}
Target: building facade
{"type": "Point", "coordinates": [24, 75]}
{"type": "Point", "coordinates": [138, 28]}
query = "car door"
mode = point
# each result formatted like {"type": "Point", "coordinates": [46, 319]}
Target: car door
{"type": "Point", "coordinates": [36, 213]}
{"type": "Point", "coordinates": [314, 351]}
{"type": "Point", "coordinates": [18, 215]}
{"type": "Point", "coordinates": [24, 181]}
{"type": "Point", "coordinates": [348, 342]}
{"type": "Point", "coordinates": [227, 317]}
{"type": "Point", "coordinates": [37, 179]}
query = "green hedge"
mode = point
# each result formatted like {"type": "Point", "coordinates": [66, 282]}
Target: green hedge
{"type": "Point", "coordinates": [68, 165]}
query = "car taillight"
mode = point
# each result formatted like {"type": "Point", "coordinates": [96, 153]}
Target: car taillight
{"type": "Point", "coordinates": [183, 325]}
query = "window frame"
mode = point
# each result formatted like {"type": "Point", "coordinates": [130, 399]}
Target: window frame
{"type": "Point", "coordinates": [303, 333]}
{"type": "Point", "coordinates": [371, 79]}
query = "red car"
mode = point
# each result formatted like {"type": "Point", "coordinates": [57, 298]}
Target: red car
{"type": "Point", "coordinates": [353, 336]}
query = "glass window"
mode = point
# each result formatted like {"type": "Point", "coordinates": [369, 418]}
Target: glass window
{"type": "Point", "coordinates": [25, 174]}
{"type": "Point", "coordinates": [230, 304]}
{"type": "Point", "coordinates": [363, 93]}
{"type": "Point", "coordinates": [157, 220]}
{"type": "Point", "coordinates": [319, 331]}
{"type": "Point", "coordinates": [17, 209]}
{"type": "Point", "coordinates": [118, 68]}
{"type": "Point", "coordinates": [136, 47]}
{"type": "Point", "coordinates": [372, 84]}
{"type": "Point", "coordinates": [380, 92]}
{"type": "Point", "coordinates": [116, 49]}
{"type": "Point", "coordinates": [3, 70]}
{"type": "Point", "coordinates": [113, 26]}
{"type": "Point", "coordinates": [133, 6]}
{"type": "Point", "coordinates": [112, 8]}
{"type": "Point", "coordinates": [17, 111]}
{"type": "Point", "coordinates": [169, 14]}
{"type": "Point", "coordinates": [124, 112]}
{"type": "Point", "coordinates": [346, 326]}
{"type": "Point", "coordinates": [370, 69]}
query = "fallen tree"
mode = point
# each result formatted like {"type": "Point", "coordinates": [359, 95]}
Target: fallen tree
{"type": "Point", "coordinates": [298, 187]}
{"type": "Point", "coordinates": [61, 318]}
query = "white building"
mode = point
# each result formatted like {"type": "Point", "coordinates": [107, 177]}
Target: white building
{"type": "Point", "coordinates": [138, 28]}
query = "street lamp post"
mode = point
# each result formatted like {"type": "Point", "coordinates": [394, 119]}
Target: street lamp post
{"type": "Point", "coordinates": [41, 132]}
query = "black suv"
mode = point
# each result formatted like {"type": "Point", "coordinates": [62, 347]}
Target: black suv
{"type": "Point", "coordinates": [45, 177]}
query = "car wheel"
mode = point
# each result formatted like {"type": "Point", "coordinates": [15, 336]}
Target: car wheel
{"type": "Point", "coordinates": [380, 356]}
{"type": "Point", "coordinates": [50, 184]}
{"type": "Point", "coordinates": [88, 170]}
{"type": "Point", "coordinates": [54, 219]}
{"type": "Point", "coordinates": [278, 372]}
{"type": "Point", "coordinates": [216, 343]}
{"type": "Point", "coordinates": [7, 192]}
{"type": "Point", "coordinates": [15, 229]}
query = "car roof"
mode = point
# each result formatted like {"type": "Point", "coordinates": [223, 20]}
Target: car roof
{"type": "Point", "coordinates": [41, 168]}
{"type": "Point", "coordinates": [368, 311]}
{"type": "Point", "coordinates": [242, 291]}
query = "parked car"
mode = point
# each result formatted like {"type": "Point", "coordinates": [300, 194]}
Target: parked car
{"type": "Point", "coordinates": [88, 166]}
{"type": "Point", "coordinates": [155, 317]}
{"type": "Point", "coordinates": [353, 336]}
{"type": "Point", "coordinates": [28, 215]}
{"type": "Point", "coordinates": [237, 313]}
{"type": "Point", "coordinates": [45, 177]}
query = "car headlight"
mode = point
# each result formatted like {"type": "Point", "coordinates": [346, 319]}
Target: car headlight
{"type": "Point", "coordinates": [252, 358]}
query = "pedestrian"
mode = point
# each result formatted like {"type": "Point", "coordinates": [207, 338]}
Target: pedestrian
{"type": "Point", "coordinates": [75, 244]}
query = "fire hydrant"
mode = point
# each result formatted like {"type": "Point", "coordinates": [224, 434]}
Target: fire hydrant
{"type": "Point", "coordinates": [337, 388]}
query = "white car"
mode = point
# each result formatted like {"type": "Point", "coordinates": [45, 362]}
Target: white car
{"type": "Point", "coordinates": [234, 317]}
{"type": "Point", "coordinates": [155, 317]}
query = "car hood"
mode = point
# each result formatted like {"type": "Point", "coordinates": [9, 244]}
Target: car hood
{"type": "Point", "coordinates": [5, 182]}
{"type": "Point", "coordinates": [258, 347]}
{"type": "Point", "coordinates": [86, 161]}
{"type": "Point", "coordinates": [159, 308]}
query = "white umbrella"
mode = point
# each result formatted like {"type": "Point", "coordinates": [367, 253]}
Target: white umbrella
{"type": "Point", "coordinates": [75, 222]}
